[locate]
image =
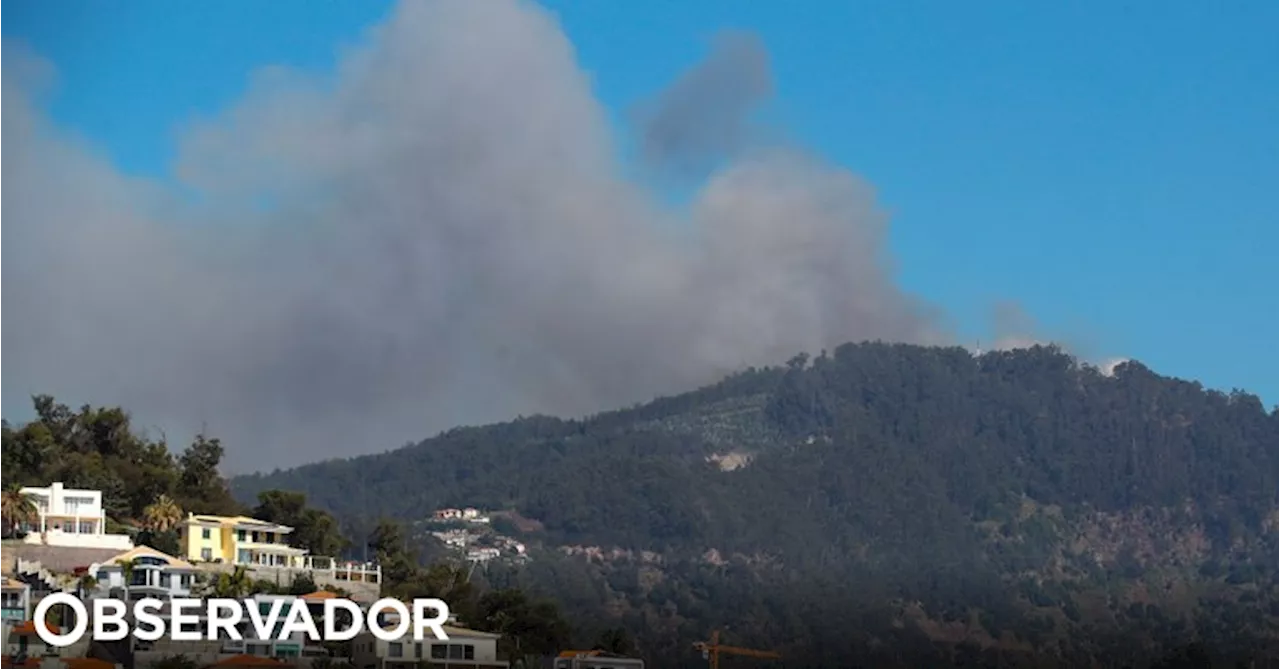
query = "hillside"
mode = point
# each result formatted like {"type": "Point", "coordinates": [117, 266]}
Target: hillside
{"type": "Point", "coordinates": [884, 503]}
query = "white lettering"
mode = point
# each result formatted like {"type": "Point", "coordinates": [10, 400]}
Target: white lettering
{"type": "Point", "coordinates": [331, 632]}
{"type": "Point", "coordinates": [299, 620]}
{"type": "Point", "coordinates": [421, 622]}
{"type": "Point", "coordinates": [180, 620]}
{"type": "Point", "coordinates": [42, 622]}
{"type": "Point", "coordinates": [228, 623]}
{"type": "Point", "coordinates": [101, 617]}
{"type": "Point", "coordinates": [145, 612]}
{"type": "Point", "coordinates": [266, 629]}
{"type": "Point", "coordinates": [402, 619]}
{"type": "Point", "coordinates": [192, 619]}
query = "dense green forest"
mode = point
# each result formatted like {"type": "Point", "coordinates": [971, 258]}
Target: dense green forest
{"type": "Point", "coordinates": [883, 505]}
{"type": "Point", "coordinates": [887, 503]}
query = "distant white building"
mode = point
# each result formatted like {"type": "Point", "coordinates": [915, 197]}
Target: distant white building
{"type": "Point", "coordinates": [465, 648]}
{"type": "Point", "coordinates": [469, 514]}
{"type": "Point", "coordinates": [453, 538]}
{"type": "Point", "coordinates": [71, 517]}
{"type": "Point", "coordinates": [483, 554]}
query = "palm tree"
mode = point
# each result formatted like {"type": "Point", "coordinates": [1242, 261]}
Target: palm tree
{"type": "Point", "coordinates": [126, 570]}
{"type": "Point", "coordinates": [233, 584]}
{"type": "Point", "coordinates": [17, 508]}
{"type": "Point", "coordinates": [162, 515]}
{"type": "Point", "coordinates": [86, 584]}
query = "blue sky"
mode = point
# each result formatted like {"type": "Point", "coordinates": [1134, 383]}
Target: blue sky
{"type": "Point", "coordinates": [1107, 165]}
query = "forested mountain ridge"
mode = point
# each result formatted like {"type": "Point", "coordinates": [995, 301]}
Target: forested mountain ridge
{"type": "Point", "coordinates": [1017, 503]}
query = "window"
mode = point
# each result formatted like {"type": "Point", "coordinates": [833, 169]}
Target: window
{"type": "Point", "coordinates": [239, 535]}
{"type": "Point", "coordinates": [453, 651]}
{"type": "Point", "coordinates": [396, 649]}
{"type": "Point", "coordinates": [88, 527]}
{"type": "Point", "coordinates": [185, 580]}
{"type": "Point", "coordinates": [206, 554]}
{"type": "Point", "coordinates": [205, 533]}
{"type": "Point", "coordinates": [71, 528]}
{"type": "Point", "coordinates": [271, 537]}
{"type": "Point", "coordinates": [253, 536]}
{"type": "Point", "coordinates": [78, 505]}
{"type": "Point", "coordinates": [417, 650]}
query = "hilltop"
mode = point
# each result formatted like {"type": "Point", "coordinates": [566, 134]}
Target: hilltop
{"type": "Point", "coordinates": [1018, 504]}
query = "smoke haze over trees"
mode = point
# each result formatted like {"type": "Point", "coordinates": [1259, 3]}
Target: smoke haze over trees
{"type": "Point", "coordinates": [436, 234]}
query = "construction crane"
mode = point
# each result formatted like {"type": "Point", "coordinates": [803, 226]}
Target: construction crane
{"type": "Point", "coordinates": [712, 649]}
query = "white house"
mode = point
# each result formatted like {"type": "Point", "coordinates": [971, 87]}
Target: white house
{"type": "Point", "coordinates": [483, 554]}
{"type": "Point", "coordinates": [71, 517]}
{"type": "Point", "coordinates": [15, 601]}
{"type": "Point", "coordinates": [465, 648]}
{"type": "Point", "coordinates": [153, 574]}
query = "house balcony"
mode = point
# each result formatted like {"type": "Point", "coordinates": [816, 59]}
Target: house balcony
{"type": "Point", "coordinates": [276, 557]}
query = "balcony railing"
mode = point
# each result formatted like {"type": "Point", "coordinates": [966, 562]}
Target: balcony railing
{"type": "Point", "coordinates": [367, 572]}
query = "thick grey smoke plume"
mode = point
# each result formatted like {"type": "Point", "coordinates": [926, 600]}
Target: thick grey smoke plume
{"type": "Point", "coordinates": [704, 115]}
{"type": "Point", "coordinates": [436, 235]}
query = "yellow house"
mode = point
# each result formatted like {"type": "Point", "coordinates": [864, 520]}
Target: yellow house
{"type": "Point", "coordinates": [238, 540]}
